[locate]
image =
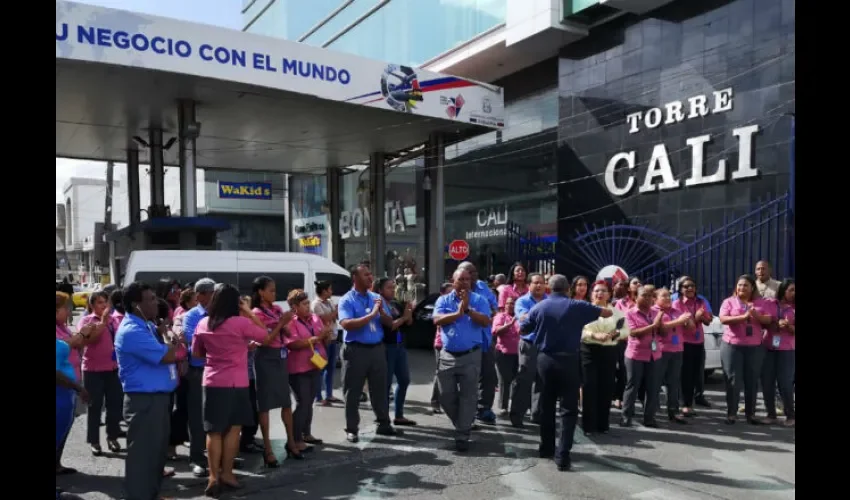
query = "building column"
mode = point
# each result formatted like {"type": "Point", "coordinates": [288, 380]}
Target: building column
{"type": "Point", "coordinates": [187, 159]}
{"type": "Point", "coordinates": [378, 229]}
{"type": "Point", "coordinates": [337, 253]}
{"type": "Point", "coordinates": [157, 162]}
{"type": "Point", "coordinates": [133, 192]}
{"type": "Point", "coordinates": [434, 187]}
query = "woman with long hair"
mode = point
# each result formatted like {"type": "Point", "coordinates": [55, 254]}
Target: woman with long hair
{"type": "Point", "coordinates": [744, 315]}
{"type": "Point", "coordinates": [624, 299]}
{"type": "Point", "coordinates": [308, 337]}
{"type": "Point", "coordinates": [396, 353]}
{"type": "Point", "coordinates": [693, 349]}
{"type": "Point", "coordinates": [673, 322]}
{"type": "Point", "coordinates": [780, 358]}
{"type": "Point", "coordinates": [579, 288]}
{"type": "Point", "coordinates": [100, 375]}
{"type": "Point", "coordinates": [599, 346]}
{"type": "Point", "coordinates": [517, 285]}
{"type": "Point", "coordinates": [222, 339]}
{"type": "Point", "coordinates": [506, 332]}
{"type": "Point", "coordinates": [325, 309]}
{"type": "Point", "coordinates": [270, 367]}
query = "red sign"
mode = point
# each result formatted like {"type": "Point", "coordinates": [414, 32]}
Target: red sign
{"type": "Point", "coordinates": [459, 250]}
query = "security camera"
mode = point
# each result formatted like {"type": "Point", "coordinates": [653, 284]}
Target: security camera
{"type": "Point", "coordinates": [193, 130]}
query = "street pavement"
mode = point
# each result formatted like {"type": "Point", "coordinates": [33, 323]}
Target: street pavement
{"type": "Point", "coordinates": [703, 460]}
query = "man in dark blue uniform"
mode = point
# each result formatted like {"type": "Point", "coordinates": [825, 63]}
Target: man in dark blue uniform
{"type": "Point", "coordinates": [557, 324]}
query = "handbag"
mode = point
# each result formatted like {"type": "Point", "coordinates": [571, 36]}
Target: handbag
{"type": "Point", "coordinates": [318, 360]}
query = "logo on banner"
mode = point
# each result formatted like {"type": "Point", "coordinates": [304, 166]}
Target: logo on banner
{"type": "Point", "coordinates": [245, 190]}
{"type": "Point", "coordinates": [400, 88]}
{"type": "Point", "coordinates": [486, 107]}
{"type": "Point", "coordinates": [612, 274]}
{"type": "Point", "coordinates": [453, 105]}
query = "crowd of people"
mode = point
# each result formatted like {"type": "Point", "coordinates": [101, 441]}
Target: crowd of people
{"type": "Point", "coordinates": [205, 365]}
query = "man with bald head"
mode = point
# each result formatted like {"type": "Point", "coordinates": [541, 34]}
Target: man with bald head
{"type": "Point", "coordinates": [557, 323]}
{"type": "Point", "coordinates": [489, 379]}
{"type": "Point", "coordinates": [460, 314]}
{"type": "Point", "coordinates": [767, 286]}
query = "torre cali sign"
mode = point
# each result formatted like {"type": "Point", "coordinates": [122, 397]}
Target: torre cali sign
{"type": "Point", "coordinates": [659, 175]}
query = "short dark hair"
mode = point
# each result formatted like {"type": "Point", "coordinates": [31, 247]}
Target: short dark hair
{"type": "Point", "coordinates": [116, 298]}
{"type": "Point", "coordinates": [379, 284]}
{"type": "Point", "coordinates": [321, 286]}
{"type": "Point", "coordinates": [133, 294]}
{"type": "Point", "coordinates": [224, 305]}
{"type": "Point", "coordinates": [260, 283]}
{"type": "Point", "coordinates": [783, 287]}
{"type": "Point", "coordinates": [95, 295]}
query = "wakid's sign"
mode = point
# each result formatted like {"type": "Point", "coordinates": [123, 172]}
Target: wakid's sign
{"type": "Point", "coordinates": [659, 174]}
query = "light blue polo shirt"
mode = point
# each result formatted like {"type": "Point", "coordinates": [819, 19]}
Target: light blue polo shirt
{"type": "Point", "coordinates": [190, 324]}
{"type": "Point", "coordinates": [464, 334]}
{"type": "Point", "coordinates": [354, 305]}
{"type": "Point", "coordinates": [140, 355]}
{"type": "Point", "coordinates": [480, 287]}
{"type": "Point", "coordinates": [522, 306]}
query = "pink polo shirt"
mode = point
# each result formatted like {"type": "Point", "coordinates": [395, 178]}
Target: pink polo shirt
{"type": "Point", "coordinates": [270, 317]}
{"type": "Point", "coordinates": [737, 334]}
{"type": "Point", "coordinates": [640, 348]}
{"type": "Point", "coordinates": [508, 341]}
{"type": "Point", "coordinates": [695, 334]}
{"type": "Point", "coordinates": [625, 304]}
{"type": "Point", "coordinates": [299, 359]}
{"type": "Point", "coordinates": [226, 350]}
{"type": "Point", "coordinates": [99, 355]}
{"type": "Point", "coordinates": [514, 291]}
{"type": "Point", "coordinates": [64, 333]}
{"type": "Point", "coordinates": [673, 340]}
{"type": "Point", "coordinates": [785, 341]}
{"type": "Point", "coordinates": [178, 312]}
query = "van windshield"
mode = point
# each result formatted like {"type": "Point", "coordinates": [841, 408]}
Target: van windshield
{"type": "Point", "coordinates": [285, 282]}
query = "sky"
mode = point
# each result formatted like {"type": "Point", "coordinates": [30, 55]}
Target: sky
{"type": "Point", "coordinates": [226, 13]}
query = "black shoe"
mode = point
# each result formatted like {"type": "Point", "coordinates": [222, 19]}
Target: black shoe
{"type": "Point", "coordinates": [462, 445]}
{"type": "Point", "coordinates": [351, 437]}
{"type": "Point", "coordinates": [702, 402]}
{"type": "Point", "coordinates": [651, 424]}
{"type": "Point", "coordinates": [517, 422]}
{"type": "Point", "coordinates": [387, 430]}
{"type": "Point", "coordinates": [295, 455]}
{"type": "Point", "coordinates": [679, 419]}
{"type": "Point", "coordinates": [626, 422]}
{"type": "Point", "coordinates": [199, 470]}
{"type": "Point", "coordinates": [564, 465]}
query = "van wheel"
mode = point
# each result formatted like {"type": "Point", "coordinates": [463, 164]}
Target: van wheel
{"type": "Point", "coordinates": [707, 374]}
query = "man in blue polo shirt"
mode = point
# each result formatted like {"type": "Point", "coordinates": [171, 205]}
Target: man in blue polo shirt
{"type": "Point", "coordinates": [556, 324]}
{"type": "Point", "coordinates": [361, 316]}
{"type": "Point", "coordinates": [525, 389]}
{"type": "Point", "coordinates": [460, 314]}
{"type": "Point", "coordinates": [488, 380]}
{"type": "Point", "coordinates": [148, 376]}
{"type": "Point", "coordinates": [204, 289]}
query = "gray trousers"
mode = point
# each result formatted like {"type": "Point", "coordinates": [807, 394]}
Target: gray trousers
{"type": "Point", "coordinates": [741, 370]}
{"type": "Point", "coordinates": [458, 377]}
{"type": "Point", "coordinates": [487, 379]}
{"type": "Point", "coordinates": [103, 386]}
{"type": "Point", "coordinates": [641, 373]}
{"type": "Point", "coordinates": [362, 363]}
{"type": "Point", "coordinates": [148, 417]}
{"type": "Point", "coordinates": [670, 368]}
{"type": "Point", "coordinates": [435, 391]}
{"type": "Point", "coordinates": [195, 411]}
{"type": "Point", "coordinates": [304, 388]}
{"type": "Point", "coordinates": [525, 389]}
{"type": "Point", "coordinates": [778, 371]}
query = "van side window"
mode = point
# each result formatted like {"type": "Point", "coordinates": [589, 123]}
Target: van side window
{"type": "Point", "coordinates": [284, 281]}
{"type": "Point", "coordinates": [340, 283]}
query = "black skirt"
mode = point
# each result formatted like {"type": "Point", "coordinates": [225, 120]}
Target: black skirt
{"type": "Point", "coordinates": [225, 407]}
{"type": "Point", "coordinates": [272, 379]}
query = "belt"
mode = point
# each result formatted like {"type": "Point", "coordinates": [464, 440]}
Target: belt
{"type": "Point", "coordinates": [560, 354]}
{"type": "Point", "coordinates": [458, 354]}
{"type": "Point", "coordinates": [148, 393]}
{"type": "Point", "coordinates": [361, 344]}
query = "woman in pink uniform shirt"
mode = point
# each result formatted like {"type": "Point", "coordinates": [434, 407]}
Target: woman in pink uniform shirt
{"type": "Point", "coordinates": [643, 353]}
{"type": "Point", "coordinates": [517, 284]}
{"type": "Point", "coordinates": [780, 358]}
{"type": "Point", "coordinates": [673, 323]}
{"type": "Point", "coordinates": [693, 351]}
{"type": "Point", "coordinates": [222, 338]}
{"type": "Point", "coordinates": [308, 334]}
{"type": "Point", "coordinates": [744, 316]}
{"type": "Point", "coordinates": [100, 375]}
{"type": "Point", "coordinates": [506, 332]}
{"type": "Point", "coordinates": [625, 292]}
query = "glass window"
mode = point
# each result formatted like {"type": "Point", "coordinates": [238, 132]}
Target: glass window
{"type": "Point", "coordinates": [531, 114]}
{"type": "Point", "coordinates": [340, 283]}
{"type": "Point", "coordinates": [289, 19]}
{"type": "Point", "coordinates": [339, 21]}
{"type": "Point", "coordinates": [412, 32]}
{"type": "Point", "coordinates": [285, 282]}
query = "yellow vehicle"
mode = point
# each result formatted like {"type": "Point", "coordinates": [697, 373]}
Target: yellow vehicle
{"type": "Point", "coordinates": [81, 294]}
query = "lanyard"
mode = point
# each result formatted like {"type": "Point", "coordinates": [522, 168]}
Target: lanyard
{"type": "Point", "coordinates": [742, 304]}
{"type": "Point", "coordinates": [308, 327]}
{"type": "Point", "coordinates": [648, 320]}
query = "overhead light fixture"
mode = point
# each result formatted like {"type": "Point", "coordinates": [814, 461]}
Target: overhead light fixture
{"type": "Point", "coordinates": [140, 141]}
{"type": "Point", "coordinates": [170, 143]}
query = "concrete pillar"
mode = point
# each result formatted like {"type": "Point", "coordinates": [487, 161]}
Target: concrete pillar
{"type": "Point", "coordinates": [435, 161]}
{"type": "Point", "coordinates": [133, 186]}
{"type": "Point", "coordinates": [187, 159]}
{"type": "Point", "coordinates": [157, 174]}
{"type": "Point", "coordinates": [337, 251]}
{"type": "Point", "coordinates": [378, 229]}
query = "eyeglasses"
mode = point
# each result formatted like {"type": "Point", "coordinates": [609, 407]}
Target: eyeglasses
{"type": "Point", "coordinates": [689, 285]}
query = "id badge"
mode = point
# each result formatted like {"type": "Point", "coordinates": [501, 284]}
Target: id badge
{"type": "Point", "coordinates": [776, 340]}
{"type": "Point", "coordinates": [749, 330]}
{"type": "Point", "coordinates": [674, 340]}
{"type": "Point", "coordinates": [172, 371]}
{"type": "Point", "coordinates": [283, 353]}
{"type": "Point", "coordinates": [372, 327]}
{"type": "Point", "coordinates": [653, 346]}
{"type": "Point", "coordinates": [696, 335]}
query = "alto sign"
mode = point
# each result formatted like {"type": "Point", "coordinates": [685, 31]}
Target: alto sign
{"type": "Point", "coordinates": [458, 250]}
{"type": "Point", "coordinates": [659, 173]}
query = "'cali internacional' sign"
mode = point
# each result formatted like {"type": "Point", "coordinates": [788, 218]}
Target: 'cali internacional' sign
{"type": "Point", "coordinates": [100, 35]}
{"type": "Point", "coordinates": [245, 190]}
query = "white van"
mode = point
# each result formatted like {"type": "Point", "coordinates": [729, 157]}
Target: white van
{"type": "Point", "coordinates": [289, 270]}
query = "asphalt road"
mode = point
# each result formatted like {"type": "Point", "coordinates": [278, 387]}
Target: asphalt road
{"type": "Point", "coordinates": [703, 460]}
